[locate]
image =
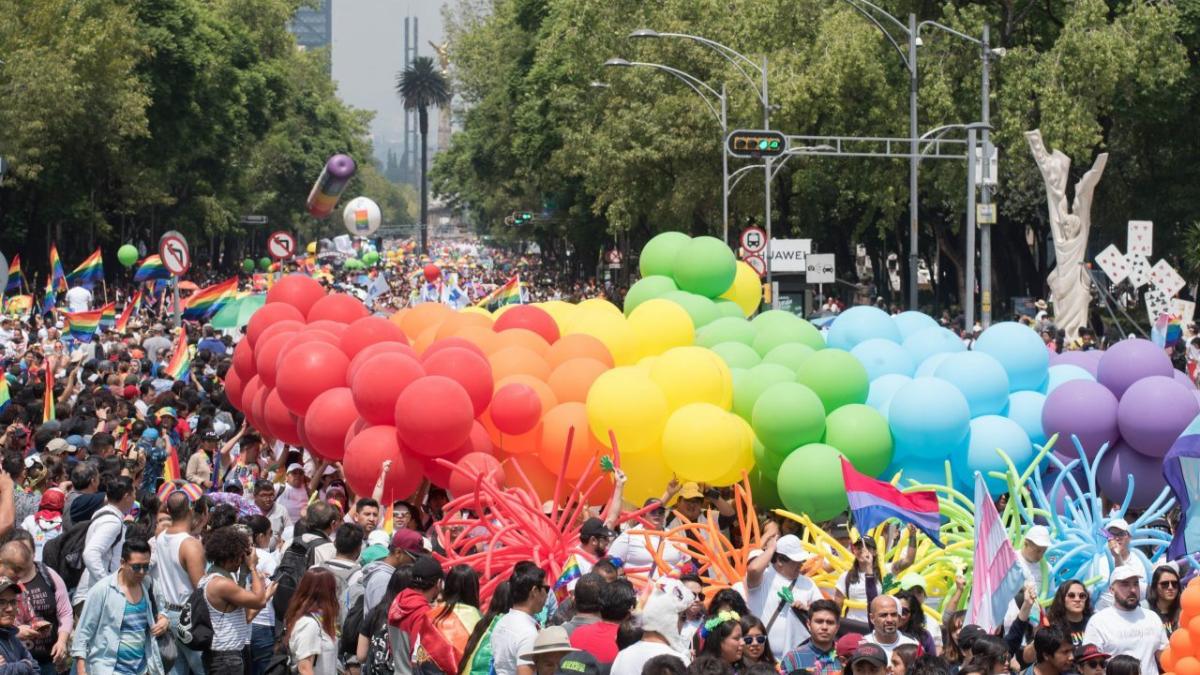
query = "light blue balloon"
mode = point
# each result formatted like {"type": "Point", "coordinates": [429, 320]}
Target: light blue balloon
{"type": "Point", "coordinates": [927, 367]}
{"type": "Point", "coordinates": [979, 377]}
{"type": "Point", "coordinates": [879, 396]}
{"type": "Point", "coordinates": [1019, 349]}
{"type": "Point", "coordinates": [929, 341]}
{"type": "Point", "coordinates": [988, 433]}
{"type": "Point", "coordinates": [859, 324]}
{"type": "Point", "coordinates": [1066, 372]}
{"type": "Point", "coordinates": [1025, 408]}
{"type": "Point", "coordinates": [929, 417]}
{"type": "Point", "coordinates": [911, 321]}
{"type": "Point", "coordinates": [883, 357]}
{"type": "Point", "coordinates": [921, 470]}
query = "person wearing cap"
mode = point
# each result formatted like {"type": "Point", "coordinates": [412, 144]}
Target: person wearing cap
{"type": "Point", "coordinates": [153, 449]}
{"type": "Point", "coordinates": [410, 612]}
{"type": "Point", "coordinates": [1119, 538]}
{"type": "Point", "coordinates": [549, 648]}
{"type": "Point", "coordinates": [594, 540]}
{"type": "Point", "coordinates": [1054, 652]}
{"type": "Point", "coordinates": [1126, 627]}
{"type": "Point", "coordinates": [885, 620]}
{"type": "Point", "coordinates": [515, 632]}
{"type": "Point", "coordinates": [199, 466]}
{"type": "Point", "coordinates": [406, 545]}
{"type": "Point", "coordinates": [294, 495]}
{"type": "Point", "coordinates": [690, 498]}
{"type": "Point", "coordinates": [845, 647]}
{"type": "Point", "coordinates": [818, 654]}
{"type": "Point", "coordinates": [868, 659]}
{"type": "Point", "coordinates": [777, 592]}
{"type": "Point", "coordinates": [1030, 559]}
{"type": "Point", "coordinates": [47, 522]}
{"type": "Point", "coordinates": [1089, 660]}
{"type": "Point", "coordinates": [14, 653]}
{"type": "Point", "coordinates": [583, 663]}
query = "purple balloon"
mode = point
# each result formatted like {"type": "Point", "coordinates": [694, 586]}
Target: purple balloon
{"type": "Point", "coordinates": [1182, 378]}
{"type": "Point", "coordinates": [1122, 461]}
{"type": "Point", "coordinates": [1129, 361]}
{"type": "Point", "coordinates": [1153, 412]}
{"type": "Point", "coordinates": [1089, 360]}
{"type": "Point", "coordinates": [1085, 409]}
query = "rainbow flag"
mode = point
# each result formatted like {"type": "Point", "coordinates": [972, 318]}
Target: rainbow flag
{"type": "Point", "coordinates": [83, 325]}
{"type": "Point", "coordinates": [171, 471]}
{"type": "Point", "coordinates": [108, 315]}
{"type": "Point", "coordinates": [151, 268]}
{"type": "Point", "coordinates": [123, 321]}
{"type": "Point", "coordinates": [181, 360]}
{"type": "Point", "coordinates": [389, 522]}
{"type": "Point", "coordinates": [4, 396]}
{"type": "Point", "coordinates": [206, 302]}
{"type": "Point", "coordinates": [15, 280]}
{"type": "Point", "coordinates": [508, 294]}
{"type": "Point", "coordinates": [89, 272]}
{"type": "Point", "coordinates": [58, 278]}
{"type": "Point", "coordinates": [19, 304]}
{"type": "Point", "coordinates": [48, 398]}
{"type": "Point", "coordinates": [50, 298]}
{"type": "Point", "coordinates": [570, 572]}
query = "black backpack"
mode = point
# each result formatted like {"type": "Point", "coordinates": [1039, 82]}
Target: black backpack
{"type": "Point", "coordinates": [379, 653]}
{"type": "Point", "coordinates": [194, 629]}
{"type": "Point", "coordinates": [348, 640]}
{"type": "Point", "coordinates": [64, 553]}
{"type": "Point", "coordinates": [295, 562]}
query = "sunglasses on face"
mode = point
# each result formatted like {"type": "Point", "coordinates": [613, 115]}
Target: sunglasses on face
{"type": "Point", "coordinates": [1096, 663]}
{"type": "Point", "coordinates": [1077, 596]}
{"type": "Point", "coordinates": [1168, 583]}
{"type": "Point", "coordinates": [140, 568]}
{"type": "Point", "coordinates": [754, 639]}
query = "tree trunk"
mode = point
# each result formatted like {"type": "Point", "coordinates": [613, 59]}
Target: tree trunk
{"type": "Point", "coordinates": [423, 116]}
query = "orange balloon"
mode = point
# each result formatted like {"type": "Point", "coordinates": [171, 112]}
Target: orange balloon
{"type": "Point", "coordinates": [1167, 660]}
{"type": "Point", "coordinates": [1190, 600]}
{"type": "Point", "coordinates": [482, 337]}
{"type": "Point", "coordinates": [419, 318]}
{"type": "Point", "coordinates": [571, 380]}
{"type": "Point", "coordinates": [398, 317]}
{"type": "Point", "coordinates": [1187, 665]}
{"type": "Point", "coordinates": [459, 320]}
{"type": "Point", "coordinates": [520, 337]}
{"type": "Point", "coordinates": [575, 346]}
{"type": "Point", "coordinates": [1181, 643]}
{"type": "Point", "coordinates": [426, 338]}
{"type": "Point", "coordinates": [557, 425]}
{"type": "Point", "coordinates": [515, 466]}
{"type": "Point", "coordinates": [518, 361]}
{"type": "Point", "coordinates": [1193, 627]}
{"type": "Point", "coordinates": [494, 434]}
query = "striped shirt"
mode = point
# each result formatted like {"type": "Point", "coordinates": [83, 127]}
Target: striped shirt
{"type": "Point", "coordinates": [807, 657]}
{"type": "Point", "coordinates": [135, 631]}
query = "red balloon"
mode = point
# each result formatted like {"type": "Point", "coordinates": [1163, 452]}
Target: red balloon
{"type": "Point", "coordinates": [328, 420]}
{"type": "Point", "coordinates": [354, 430]}
{"type": "Point", "coordinates": [364, 460]}
{"type": "Point", "coordinates": [267, 355]}
{"type": "Point", "coordinates": [288, 326]}
{"type": "Point", "coordinates": [367, 331]}
{"type": "Point", "coordinates": [311, 368]}
{"type": "Point", "coordinates": [304, 442]}
{"type": "Point", "coordinates": [269, 315]}
{"type": "Point", "coordinates": [243, 359]}
{"type": "Point", "coordinates": [249, 392]}
{"type": "Point", "coordinates": [298, 290]}
{"type": "Point", "coordinates": [337, 307]}
{"type": "Point", "coordinates": [374, 350]}
{"type": "Point", "coordinates": [280, 421]}
{"type": "Point", "coordinates": [464, 478]}
{"type": "Point", "coordinates": [433, 415]}
{"type": "Point", "coordinates": [467, 368]}
{"type": "Point", "coordinates": [530, 318]}
{"type": "Point", "coordinates": [432, 272]}
{"type": "Point", "coordinates": [454, 342]}
{"type": "Point", "coordinates": [478, 441]}
{"type": "Point", "coordinates": [516, 408]}
{"type": "Point", "coordinates": [380, 381]}
{"type": "Point", "coordinates": [234, 388]}
{"type": "Point", "coordinates": [301, 338]}
{"type": "Point", "coordinates": [332, 327]}
{"type": "Point", "coordinates": [258, 410]}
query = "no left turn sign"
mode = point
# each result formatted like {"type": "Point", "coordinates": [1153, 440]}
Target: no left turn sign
{"type": "Point", "coordinates": [281, 245]}
{"type": "Point", "coordinates": [174, 252]}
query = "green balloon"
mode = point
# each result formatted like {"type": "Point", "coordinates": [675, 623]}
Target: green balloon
{"type": "Point", "coordinates": [127, 255]}
{"type": "Point", "coordinates": [810, 482]}
{"type": "Point", "coordinates": [729, 308]}
{"type": "Point", "coordinates": [736, 355]}
{"type": "Point", "coordinates": [766, 461]}
{"type": "Point", "coordinates": [748, 388]}
{"type": "Point", "coordinates": [658, 255]}
{"type": "Point", "coordinates": [247, 265]}
{"type": "Point", "coordinates": [776, 327]}
{"type": "Point", "coordinates": [861, 434]}
{"type": "Point", "coordinates": [836, 376]}
{"type": "Point", "coordinates": [790, 354]}
{"type": "Point", "coordinates": [701, 309]}
{"type": "Point", "coordinates": [788, 415]}
{"type": "Point", "coordinates": [766, 494]}
{"type": "Point", "coordinates": [725, 329]}
{"type": "Point", "coordinates": [371, 258]}
{"type": "Point", "coordinates": [647, 288]}
{"type": "Point", "coordinates": [705, 266]}
{"type": "Point", "coordinates": [264, 263]}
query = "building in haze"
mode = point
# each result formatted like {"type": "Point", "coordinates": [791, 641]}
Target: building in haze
{"type": "Point", "coordinates": [313, 25]}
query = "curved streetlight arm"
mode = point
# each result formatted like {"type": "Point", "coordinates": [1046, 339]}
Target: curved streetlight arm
{"type": "Point", "coordinates": [738, 175]}
{"type": "Point", "coordinates": [872, 16]}
{"type": "Point", "coordinates": [949, 30]}
{"type": "Point", "coordinates": [693, 83]}
{"type": "Point", "coordinates": [730, 54]}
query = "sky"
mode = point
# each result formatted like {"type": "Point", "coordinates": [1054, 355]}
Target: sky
{"type": "Point", "coordinates": [368, 51]}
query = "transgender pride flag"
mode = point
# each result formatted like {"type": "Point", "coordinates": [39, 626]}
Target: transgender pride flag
{"type": "Point", "coordinates": [997, 576]}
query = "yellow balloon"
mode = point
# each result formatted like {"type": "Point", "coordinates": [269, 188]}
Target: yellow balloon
{"type": "Point", "coordinates": [482, 311]}
{"type": "Point", "coordinates": [646, 363]}
{"type": "Point", "coordinates": [627, 402]}
{"type": "Point", "coordinates": [726, 379]}
{"type": "Point", "coordinates": [745, 460]}
{"type": "Point", "coordinates": [501, 310]}
{"type": "Point", "coordinates": [601, 304]}
{"type": "Point", "coordinates": [688, 375]}
{"type": "Point", "coordinates": [701, 443]}
{"type": "Point", "coordinates": [659, 325]}
{"type": "Point", "coordinates": [311, 247]}
{"type": "Point", "coordinates": [647, 476]}
{"type": "Point", "coordinates": [611, 329]}
{"type": "Point", "coordinates": [746, 290]}
{"type": "Point", "coordinates": [560, 311]}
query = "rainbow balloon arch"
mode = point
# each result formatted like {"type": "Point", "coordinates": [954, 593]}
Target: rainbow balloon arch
{"type": "Point", "coordinates": [682, 383]}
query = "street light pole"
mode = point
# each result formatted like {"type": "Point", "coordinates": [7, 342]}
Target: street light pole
{"type": "Point", "coordinates": [724, 167]}
{"type": "Point", "coordinates": [969, 296]}
{"type": "Point", "coordinates": [985, 232]}
{"type": "Point", "coordinates": [912, 164]}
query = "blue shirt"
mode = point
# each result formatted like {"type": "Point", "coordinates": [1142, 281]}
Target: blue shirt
{"type": "Point", "coordinates": [135, 631]}
{"type": "Point", "coordinates": [808, 657]}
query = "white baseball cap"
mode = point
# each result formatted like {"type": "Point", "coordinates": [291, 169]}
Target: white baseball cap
{"type": "Point", "coordinates": [1039, 536]}
{"type": "Point", "coordinates": [789, 547]}
{"type": "Point", "coordinates": [1124, 572]}
{"type": "Point", "coordinates": [1118, 524]}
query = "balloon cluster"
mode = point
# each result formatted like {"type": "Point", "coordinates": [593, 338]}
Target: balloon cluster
{"type": "Point", "coordinates": [1128, 397]}
{"type": "Point", "coordinates": [1182, 657]}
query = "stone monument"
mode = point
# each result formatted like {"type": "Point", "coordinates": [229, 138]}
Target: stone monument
{"type": "Point", "coordinates": [1070, 287]}
{"type": "Point", "coordinates": [444, 114]}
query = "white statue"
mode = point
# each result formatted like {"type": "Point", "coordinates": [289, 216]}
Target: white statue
{"type": "Point", "coordinates": [1069, 283]}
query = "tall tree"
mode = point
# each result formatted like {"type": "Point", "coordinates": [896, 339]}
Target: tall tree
{"type": "Point", "coordinates": [422, 86]}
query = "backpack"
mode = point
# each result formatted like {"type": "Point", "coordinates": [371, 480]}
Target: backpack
{"type": "Point", "coordinates": [64, 553]}
{"type": "Point", "coordinates": [348, 640]}
{"type": "Point", "coordinates": [194, 629]}
{"type": "Point", "coordinates": [379, 653]}
{"type": "Point", "coordinates": [295, 562]}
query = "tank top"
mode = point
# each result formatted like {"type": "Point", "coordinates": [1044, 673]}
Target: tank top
{"type": "Point", "coordinates": [43, 604]}
{"type": "Point", "coordinates": [230, 630]}
{"type": "Point", "coordinates": [173, 581]}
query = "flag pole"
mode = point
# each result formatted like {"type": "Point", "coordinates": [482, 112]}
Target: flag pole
{"type": "Point", "coordinates": [178, 309]}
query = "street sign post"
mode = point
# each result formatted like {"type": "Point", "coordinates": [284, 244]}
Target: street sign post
{"type": "Point", "coordinates": [177, 258]}
{"type": "Point", "coordinates": [281, 245]}
{"type": "Point", "coordinates": [754, 240]}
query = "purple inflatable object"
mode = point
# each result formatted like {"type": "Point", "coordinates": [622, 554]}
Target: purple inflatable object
{"type": "Point", "coordinates": [336, 174]}
{"type": "Point", "coordinates": [1121, 462]}
{"type": "Point", "coordinates": [1153, 412]}
{"type": "Point", "coordinates": [1085, 409]}
{"type": "Point", "coordinates": [1129, 361]}
{"type": "Point", "coordinates": [1089, 360]}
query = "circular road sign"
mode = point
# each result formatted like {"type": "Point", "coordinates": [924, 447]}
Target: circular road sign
{"type": "Point", "coordinates": [756, 261]}
{"type": "Point", "coordinates": [281, 245]}
{"type": "Point", "coordinates": [754, 239]}
{"type": "Point", "coordinates": [173, 249]}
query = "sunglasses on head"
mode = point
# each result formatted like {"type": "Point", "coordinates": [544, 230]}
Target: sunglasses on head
{"type": "Point", "coordinates": [754, 639]}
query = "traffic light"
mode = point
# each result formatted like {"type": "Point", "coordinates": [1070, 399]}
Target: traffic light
{"type": "Point", "coordinates": [519, 218]}
{"type": "Point", "coordinates": [755, 144]}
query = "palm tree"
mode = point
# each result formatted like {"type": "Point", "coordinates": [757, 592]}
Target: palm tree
{"type": "Point", "coordinates": [422, 86]}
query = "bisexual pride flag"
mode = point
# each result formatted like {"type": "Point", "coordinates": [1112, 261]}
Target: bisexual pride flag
{"type": "Point", "coordinates": [874, 501]}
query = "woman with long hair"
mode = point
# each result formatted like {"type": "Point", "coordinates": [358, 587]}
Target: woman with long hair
{"type": "Point", "coordinates": [912, 621]}
{"type": "Point", "coordinates": [989, 655]}
{"type": "Point", "coordinates": [1163, 596]}
{"type": "Point", "coordinates": [1070, 610]}
{"type": "Point", "coordinates": [903, 657]}
{"type": "Point", "coordinates": [862, 581]}
{"type": "Point", "coordinates": [723, 639]}
{"type": "Point", "coordinates": [457, 614]}
{"type": "Point", "coordinates": [756, 648]}
{"type": "Point", "coordinates": [310, 624]}
{"type": "Point", "coordinates": [477, 655]}
{"type": "Point", "coordinates": [950, 629]}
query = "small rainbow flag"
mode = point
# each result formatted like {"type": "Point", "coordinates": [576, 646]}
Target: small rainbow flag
{"type": "Point", "coordinates": [58, 278]}
{"type": "Point", "coordinates": [206, 302]}
{"type": "Point", "coordinates": [15, 280]}
{"type": "Point", "coordinates": [50, 298]}
{"type": "Point", "coordinates": [83, 325]}
{"type": "Point", "coordinates": [571, 571]}
{"type": "Point", "coordinates": [90, 271]}
{"type": "Point", "coordinates": [389, 522]}
{"type": "Point", "coordinates": [48, 398]}
{"type": "Point", "coordinates": [19, 304]}
{"type": "Point", "coordinates": [123, 321]}
{"type": "Point", "coordinates": [508, 294]}
{"type": "Point", "coordinates": [151, 268]}
{"type": "Point", "coordinates": [171, 466]}
{"type": "Point", "coordinates": [181, 360]}
{"type": "Point", "coordinates": [4, 396]}
{"type": "Point", "coordinates": [362, 220]}
{"type": "Point", "coordinates": [108, 315]}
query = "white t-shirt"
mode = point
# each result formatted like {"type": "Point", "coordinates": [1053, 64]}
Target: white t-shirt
{"type": "Point", "coordinates": [513, 635]}
{"type": "Point", "coordinates": [308, 639]}
{"type": "Point", "coordinates": [79, 299]}
{"type": "Point", "coordinates": [294, 499]}
{"type": "Point", "coordinates": [855, 591]}
{"type": "Point", "coordinates": [267, 562]}
{"type": "Point", "coordinates": [901, 639]}
{"type": "Point", "coordinates": [630, 660]}
{"type": "Point", "coordinates": [631, 548]}
{"type": "Point", "coordinates": [788, 631]}
{"type": "Point", "coordinates": [1138, 634]}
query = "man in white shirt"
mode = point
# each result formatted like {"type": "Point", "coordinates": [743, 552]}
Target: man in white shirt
{"type": "Point", "coordinates": [1033, 551]}
{"type": "Point", "coordinates": [1127, 627]}
{"type": "Point", "coordinates": [772, 576]}
{"type": "Point", "coordinates": [105, 536]}
{"type": "Point", "coordinates": [885, 618]}
{"type": "Point", "coordinates": [294, 495]}
{"type": "Point", "coordinates": [1119, 538]}
{"type": "Point", "coordinates": [516, 631]}
{"type": "Point", "coordinates": [79, 299]}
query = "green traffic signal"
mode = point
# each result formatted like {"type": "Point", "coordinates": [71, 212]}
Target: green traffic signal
{"type": "Point", "coordinates": [753, 144]}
